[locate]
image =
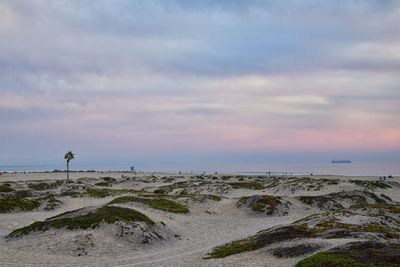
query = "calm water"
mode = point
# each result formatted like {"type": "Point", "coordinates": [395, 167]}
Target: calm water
{"type": "Point", "coordinates": [373, 169]}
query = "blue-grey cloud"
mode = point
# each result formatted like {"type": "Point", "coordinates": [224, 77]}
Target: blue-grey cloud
{"type": "Point", "coordinates": [240, 75]}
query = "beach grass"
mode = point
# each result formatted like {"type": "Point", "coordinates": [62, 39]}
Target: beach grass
{"type": "Point", "coordinates": [105, 214]}
{"type": "Point", "coordinates": [12, 204]}
{"type": "Point", "coordinates": [155, 203]}
{"type": "Point", "coordinates": [247, 185]}
{"type": "Point", "coordinates": [5, 188]}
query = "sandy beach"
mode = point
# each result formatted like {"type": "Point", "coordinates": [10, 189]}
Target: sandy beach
{"type": "Point", "coordinates": [219, 211]}
{"type": "Point", "coordinates": [200, 133]}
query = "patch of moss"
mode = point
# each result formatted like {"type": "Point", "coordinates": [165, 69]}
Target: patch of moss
{"type": "Point", "coordinates": [167, 205]}
{"type": "Point", "coordinates": [374, 228]}
{"type": "Point", "coordinates": [100, 193]}
{"type": "Point", "coordinates": [52, 203]}
{"type": "Point", "coordinates": [308, 183]}
{"type": "Point", "coordinates": [260, 240]}
{"type": "Point", "coordinates": [11, 204]}
{"type": "Point", "coordinates": [22, 193]}
{"type": "Point", "coordinates": [168, 188]}
{"type": "Point", "coordinates": [394, 209]}
{"type": "Point", "coordinates": [44, 186]}
{"type": "Point", "coordinates": [106, 184]}
{"type": "Point", "coordinates": [106, 214]}
{"type": "Point", "coordinates": [5, 188]}
{"type": "Point", "coordinates": [377, 199]}
{"type": "Point", "coordinates": [124, 191]}
{"type": "Point", "coordinates": [70, 193]}
{"type": "Point", "coordinates": [371, 184]}
{"type": "Point", "coordinates": [247, 185]}
{"type": "Point", "coordinates": [357, 254]}
{"type": "Point", "coordinates": [160, 191]}
{"type": "Point", "coordinates": [109, 179]}
{"type": "Point", "coordinates": [155, 203]}
{"type": "Point", "coordinates": [325, 259]}
{"type": "Point", "coordinates": [381, 209]}
{"type": "Point", "coordinates": [274, 183]}
{"type": "Point", "coordinates": [341, 230]}
{"type": "Point", "coordinates": [263, 203]}
{"type": "Point", "coordinates": [182, 195]}
{"type": "Point", "coordinates": [309, 200]}
{"type": "Point", "coordinates": [333, 201]}
{"type": "Point", "coordinates": [232, 248]}
{"type": "Point", "coordinates": [271, 202]}
{"type": "Point", "coordinates": [295, 251]}
{"type": "Point", "coordinates": [121, 200]}
{"type": "Point", "coordinates": [96, 193]}
{"type": "Point", "coordinates": [214, 197]}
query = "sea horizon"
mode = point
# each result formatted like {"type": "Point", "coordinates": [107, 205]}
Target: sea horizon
{"type": "Point", "coordinates": [328, 168]}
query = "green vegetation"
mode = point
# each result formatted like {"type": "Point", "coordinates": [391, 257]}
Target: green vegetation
{"type": "Point", "coordinates": [325, 222]}
{"type": "Point", "coordinates": [106, 184]}
{"type": "Point", "coordinates": [121, 200]}
{"type": "Point", "coordinates": [394, 209]}
{"type": "Point", "coordinates": [232, 248]}
{"type": "Point", "coordinates": [196, 197]}
{"type": "Point", "coordinates": [167, 205]}
{"type": "Point", "coordinates": [326, 226]}
{"type": "Point", "coordinates": [300, 183]}
{"type": "Point", "coordinates": [263, 203]}
{"type": "Point", "coordinates": [5, 188]}
{"type": "Point", "coordinates": [169, 188]}
{"type": "Point", "coordinates": [99, 193]}
{"type": "Point", "coordinates": [323, 259]}
{"type": "Point", "coordinates": [22, 193]}
{"type": "Point", "coordinates": [334, 201]}
{"type": "Point", "coordinates": [109, 179]}
{"type": "Point", "coordinates": [11, 204]}
{"type": "Point", "coordinates": [357, 254]}
{"type": "Point", "coordinates": [309, 200]}
{"type": "Point", "coordinates": [160, 191]}
{"type": "Point", "coordinates": [68, 157]}
{"type": "Point", "coordinates": [295, 251]}
{"type": "Point", "coordinates": [247, 185]}
{"type": "Point", "coordinates": [52, 203]}
{"type": "Point", "coordinates": [106, 214]}
{"type": "Point", "coordinates": [371, 185]}
{"type": "Point", "coordinates": [96, 193]}
{"type": "Point", "coordinates": [44, 186]}
{"type": "Point", "coordinates": [274, 183]}
{"type": "Point", "coordinates": [106, 181]}
{"type": "Point", "coordinates": [155, 203]}
{"type": "Point", "coordinates": [260, 240]}
{"type": "Point", "coordinates": [269, 202]}
{"type": "Point", "coordinates": [214, 197]}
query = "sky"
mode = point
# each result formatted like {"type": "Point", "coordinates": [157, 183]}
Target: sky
{"type": "Point", "coordinates": [198, 83]}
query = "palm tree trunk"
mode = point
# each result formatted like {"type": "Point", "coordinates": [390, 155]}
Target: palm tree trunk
{"type": "Point", "coordinates": [67, 170]}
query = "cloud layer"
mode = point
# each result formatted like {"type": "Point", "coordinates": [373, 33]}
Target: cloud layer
{"type": "Point", "coordinates": [153, 80]}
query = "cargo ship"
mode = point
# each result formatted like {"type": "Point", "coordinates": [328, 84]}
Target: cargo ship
{"type": "Point", "coordinates": [341, 161]}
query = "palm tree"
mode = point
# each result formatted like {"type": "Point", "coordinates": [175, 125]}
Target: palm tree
{"type": "Point", "coordinates": [68, 156]}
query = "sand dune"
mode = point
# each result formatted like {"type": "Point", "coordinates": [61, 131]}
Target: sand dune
{"type": "Point", "coordinates": [117, 219]}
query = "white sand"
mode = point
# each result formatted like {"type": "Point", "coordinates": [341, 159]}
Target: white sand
{"type": "Point", "coordinates": [207, 225]}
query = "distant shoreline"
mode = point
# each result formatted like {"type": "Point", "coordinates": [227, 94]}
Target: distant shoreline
{"type": "Point", "coordinates": [165, 173]}
{"type": "Point", "coordinates": [374, 169]}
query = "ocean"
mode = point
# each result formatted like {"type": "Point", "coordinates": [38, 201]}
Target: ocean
{"type": "Point", "coordinates": [355, 168]}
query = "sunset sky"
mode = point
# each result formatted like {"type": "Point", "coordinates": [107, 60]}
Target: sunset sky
{"type": "Point", "coordinates": [183, 83]}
